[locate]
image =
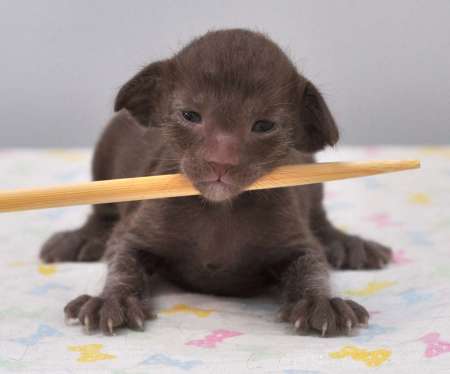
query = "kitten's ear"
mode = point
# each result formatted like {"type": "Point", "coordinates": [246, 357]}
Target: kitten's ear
{"type": "Point", "coordinates": [142, 93]}
{"type": "Point", "coordinates": [317, 127]}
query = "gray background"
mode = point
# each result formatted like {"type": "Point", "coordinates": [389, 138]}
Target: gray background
{"type": "Point", "coordinates": [383, 66]}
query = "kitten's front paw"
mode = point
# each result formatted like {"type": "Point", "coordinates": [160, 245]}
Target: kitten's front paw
{"type": "Point", "coordinates": [328, 317]}
{"type": "Point", "coordinates": [71, 246]}
{"type": "Point", "coordinates": [353, 252]}
{"type": "Point", "coordinates": [108, 313]}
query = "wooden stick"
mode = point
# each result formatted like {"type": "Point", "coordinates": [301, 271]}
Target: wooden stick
{"type": "Point", "coordinates": [171, 185]}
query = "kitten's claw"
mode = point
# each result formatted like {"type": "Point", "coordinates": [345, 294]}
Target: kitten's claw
{"type": "Point", "coordinates": [364, 323]}
{"type": "Point", "coordinates": [86, 324]}
{"type": "Point", "coordinates": [140, 324]}
{"type": "Point", "coordinates": [68, 321]}
{"type": "Point", "coordinates": [349, 326]}
{"type": "Point", "coordinates": [110, 326]}
{"type": "Point", "coordinates": [326, 317]}
{"type": "Point", "coordinates": [107, 314]}
{"type": "Point", "coordinates": [324, 328]}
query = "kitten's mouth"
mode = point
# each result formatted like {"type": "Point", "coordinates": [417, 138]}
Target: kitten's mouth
{"type": "Point", "coordinates": [217, 190]}
{"type": "Point", "coordinates": [213, 187]}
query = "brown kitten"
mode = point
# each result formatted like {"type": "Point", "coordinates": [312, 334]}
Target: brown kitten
{"type": "Point", "coordinates": [225, 110]}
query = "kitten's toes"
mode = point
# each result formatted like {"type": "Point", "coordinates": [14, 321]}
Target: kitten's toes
{"type": "Point", "coordinates": [136, 313]}
{"type": "Point", "coordinates": [353, 252]}
{"type": "Point", "coordinates": [92, 250]}
{"type": "Point", "coordinates": [72, 246]}
{"type": "Point", "coordinates": [327, 317]}
{"type": "Point", "coordinates": [378, 255]}
{"type": "Point", "coordinates": [62, 246]}
{"type": "Point", "coordinates": [336, 254]}
{"type": "Point", "coordinates": [108, 314]}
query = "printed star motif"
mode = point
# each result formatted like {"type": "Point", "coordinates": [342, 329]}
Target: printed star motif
{"type": "Point", "coordinates": [382, 220]}
{"type": "Point", "coordinates": [161, 359]}
{"type": "Point", "coordinates": [211, 340]}
{"type": "Point", "coordinates": [47, 270]}
{"type": "Point", "coordinates": [419, 199]}
{"type": "Point", "coordinates": [399, 258]}
{"type": "Point", "coordinates": [44, 289]}
{"type": "Point", "coordinates": [371, 288]}
{"type": "Point", "coordinates": [413, 296]}
{"type": "Point", "coordinates": [419, 238]}
{"type": "Point", "coordinates": [435, 346]}
{"type": "Point", "coordinates": [183, 308]}
{"type": "Point", "coordinates": [43, 331]}
{"type": "Point", "coordinates": [371, 358]}
{"type": "Point", "coordinates": [90, 352]}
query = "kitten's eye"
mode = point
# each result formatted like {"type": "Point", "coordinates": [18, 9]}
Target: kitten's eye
{"type": "Point", "coordinates": [263, 126]}
{"type": "Point", "coordinates": [193, 117]}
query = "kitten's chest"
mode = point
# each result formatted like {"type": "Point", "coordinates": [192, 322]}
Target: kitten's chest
{"type": "Point", "coordinates": [227, 234]}
{"type": "Point", "coordinates": [226, 251]}
{"type": "Point", "coordinates": [219, 261]}
{"type": "Point", "coordinates": [211, 240]}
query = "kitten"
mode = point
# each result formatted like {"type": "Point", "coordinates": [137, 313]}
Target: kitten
{"type": "Point", "coordinates": [225, 110]}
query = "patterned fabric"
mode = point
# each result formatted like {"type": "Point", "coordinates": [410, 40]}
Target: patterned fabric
{"type": "Point", "coordinates": [409, 302]}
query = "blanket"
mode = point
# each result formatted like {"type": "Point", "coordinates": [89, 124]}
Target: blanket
{"type": "Point", "coordinates": [409, 301]}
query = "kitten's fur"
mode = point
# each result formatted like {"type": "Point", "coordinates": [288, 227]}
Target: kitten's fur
{"type": "Point", "coordinates": [225, 242]}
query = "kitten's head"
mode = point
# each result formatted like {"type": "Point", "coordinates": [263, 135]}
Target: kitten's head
{"type": "Point", "coordinates": [232, 106]}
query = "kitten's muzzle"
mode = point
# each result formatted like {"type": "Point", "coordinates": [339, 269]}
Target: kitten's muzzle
{"type": "Point", "coordinates": [218, 173]}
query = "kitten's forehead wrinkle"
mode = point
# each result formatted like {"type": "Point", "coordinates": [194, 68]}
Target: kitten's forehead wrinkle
{"type": "Point", "coordinates": [236, 65]}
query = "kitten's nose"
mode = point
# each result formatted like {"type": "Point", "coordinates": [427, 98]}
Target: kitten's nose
{"type": "Point", "coordinates": [222, 149]}
{"type": "Point", "coordinates": [219, 169]}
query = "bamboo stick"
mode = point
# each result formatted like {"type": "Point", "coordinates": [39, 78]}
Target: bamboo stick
{"type": "Point", "coordinates": [172, 185]}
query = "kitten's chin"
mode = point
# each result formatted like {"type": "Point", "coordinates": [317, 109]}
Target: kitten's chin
{"type": "Point", "coordinates": [217, 191]}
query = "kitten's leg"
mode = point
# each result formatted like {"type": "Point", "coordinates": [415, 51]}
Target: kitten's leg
{"type": "Point", "coordinates": [345, 251]}
{"type": "Point", "coordinates": [307, 302]}
{"type": "Point", "coordinates": [120, 303]}
{"type": "Point", "coordinates": [84, 244]}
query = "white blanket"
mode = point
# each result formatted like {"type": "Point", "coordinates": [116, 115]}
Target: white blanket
{"type": "Point", "coordinates": [409, 302]}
